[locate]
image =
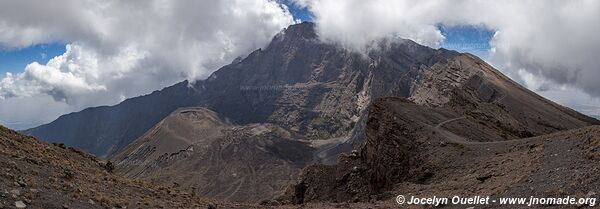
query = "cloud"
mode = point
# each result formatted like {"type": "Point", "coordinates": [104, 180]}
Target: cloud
{"type": "Point", "coordinates": [120, 49]}
{"type": "Point", "coordinates": [75, 75]}
{"type": "Point", "coordinates": [557, 40]}
{"type": "Point", "coordinates": [356, 23]}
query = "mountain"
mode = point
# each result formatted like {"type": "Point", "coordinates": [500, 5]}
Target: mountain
{"type": "Point", "coordinates": [37, 174]}
{"type": "Point", "coordinates": [312, 96]}
{"type": "Point", "coordinates": [304, 85]}
{"type": "Point", "coordinates": [296, 81]}
{"type": "Point", "coordinates": [422, 151]}
{"type": "Point", "coordinates": [246, 131]}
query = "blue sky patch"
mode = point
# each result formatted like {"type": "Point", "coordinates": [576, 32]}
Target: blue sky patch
{"type": "Point", "coordinates": [299, 13]}
{"type": "Point", "coordinates": [15, 60]}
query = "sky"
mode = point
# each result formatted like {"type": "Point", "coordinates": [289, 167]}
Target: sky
{"type": "Point", "coordinates": [15, 60]}
{"type": "Point", "coordinates": [66, 55]}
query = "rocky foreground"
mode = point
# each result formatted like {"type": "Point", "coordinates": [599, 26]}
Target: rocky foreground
{"type": "Point", "coordinates": [35, 174]}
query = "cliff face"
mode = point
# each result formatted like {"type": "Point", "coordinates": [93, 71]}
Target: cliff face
{"type": "Point", "coordinates": [311, 87]}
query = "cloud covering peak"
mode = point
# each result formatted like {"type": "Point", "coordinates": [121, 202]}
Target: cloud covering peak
{"type": "Point", "coordinates": [555, 41]}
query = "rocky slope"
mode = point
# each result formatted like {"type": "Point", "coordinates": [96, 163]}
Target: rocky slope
{"type": "Point", "coordinates": [197, 149]}
{"type": "Point", "coordinates": [36, 174]}
{"type": "Point", "coordinates": [421, 151]}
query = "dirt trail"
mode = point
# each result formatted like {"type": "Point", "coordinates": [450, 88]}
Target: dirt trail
{"type": "Point", "coordinates": [451, 136]}
{"type": "Point", "coordinates": [454, 138]}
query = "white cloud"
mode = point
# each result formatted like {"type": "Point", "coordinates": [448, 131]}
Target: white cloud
{"type": "Point", "coordinates": [355, 23]}
{"type": "Point", "coordinates": [556, 41]}
{"type": "Point", "coordinates": [66, 72]}
{"type": "Point", "coordinates": [121, 49]}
